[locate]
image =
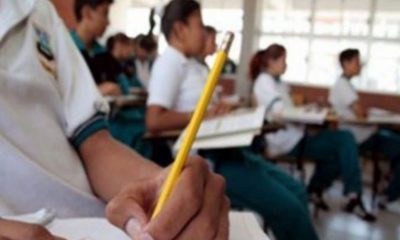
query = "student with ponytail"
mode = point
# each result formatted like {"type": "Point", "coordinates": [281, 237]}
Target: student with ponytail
{"type": "Point", "coordinates": [176, 83]}
{"type": "Point", "coordinates": [335, 152]}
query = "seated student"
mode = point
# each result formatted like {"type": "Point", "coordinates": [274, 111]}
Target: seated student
{"type": "Point", "coordinates": [145, 52]}
{"type": "Point", "coordinates": [335, 151]}
{"type": "Point", "coordinates": [176, 84]}
{"type": "Point", "coordinates": [128, 124]}
{"type": "Point", "coordinates": [345, 100]}
{"type": "Point", "coordinates": [120, 47]}
{"type": "Point", "coordinates": [57, 153]}
{"type": "Point", "coordinates": [92, 20]}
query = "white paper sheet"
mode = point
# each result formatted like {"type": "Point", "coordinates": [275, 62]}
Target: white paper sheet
{"type": "Point", "coordinates": [307, 114]}
{"type": "Point", "coordinates": [243, 226]}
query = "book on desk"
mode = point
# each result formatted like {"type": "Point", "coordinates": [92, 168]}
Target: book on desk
{"type": "Point", "coordinates": [236, 129]}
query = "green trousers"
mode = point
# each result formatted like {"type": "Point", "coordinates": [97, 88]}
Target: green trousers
{"type": "Point", "coordinates": [387, 143]}
{"type": "Point", "coordinates": [256, 184]}
{"type": "Point", "coordinates": [128, 127]}
{"type": "Point", "coordinates": [336, 155]}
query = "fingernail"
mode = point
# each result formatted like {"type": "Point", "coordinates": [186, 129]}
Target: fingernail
{"type": "Point", "coordinates": [133, 227]}
{"type": "Point", "coordinates": [145, 236]}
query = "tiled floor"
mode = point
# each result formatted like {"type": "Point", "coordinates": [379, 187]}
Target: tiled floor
{"type": "Point", "coordinates": [337, 225]}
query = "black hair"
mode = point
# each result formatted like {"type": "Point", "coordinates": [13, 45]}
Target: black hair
{"type": "Point", "coordinates": [79, 4]}
{"type": "Point", "coordinates": [348, 55]}
{"type": "Point", "coordinates": [177, 11]}
{"type": "Point", "coordinates": [117, 38]}
{"type": "Point", "coordinates": [260, 59]}
{"type": "Point", "coordinates": [147, 42]}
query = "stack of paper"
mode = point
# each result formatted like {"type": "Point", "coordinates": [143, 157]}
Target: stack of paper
{"type": "Point", "coordinates": [306, 114]}
{"type": "Point", "coordinates": [233, 130]}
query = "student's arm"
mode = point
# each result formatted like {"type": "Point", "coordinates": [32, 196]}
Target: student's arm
{"type": "Point", "coordinates": [109, 89]}
{"type": "Point", "coordinates": [160, 119]}
{"type": "Point", "coordinates": [10, 230]}
{"type": "Point", "coordinates": [198, 203]}
{"type": "Point", "coordinates": [359, 110]}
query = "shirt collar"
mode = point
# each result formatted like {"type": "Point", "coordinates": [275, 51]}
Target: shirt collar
{"type": "Point", "coordinates": [13, 12]}
{"type": "Point", "coordinates": [96, 47]}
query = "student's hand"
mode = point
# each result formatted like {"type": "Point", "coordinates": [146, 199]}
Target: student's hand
{"type": "Point", "coordinates": [219, 109]}
{"type": "Point", "coordinates": [197, 207]}
{"type": "Point", "coordinates": [109, 89]}
{"type": "Point", "coordinates": [12, 230]}
{"type": "Point", "coordinates": [359, 110]}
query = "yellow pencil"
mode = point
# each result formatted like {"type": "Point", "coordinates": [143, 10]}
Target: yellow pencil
{"type": "Point", "coordinates": [195, 122]}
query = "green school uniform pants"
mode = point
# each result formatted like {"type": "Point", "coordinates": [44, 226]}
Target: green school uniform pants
{"type": "Point", "coordinates": [256, 184]}
{"type": "Point", "coordinates": [336, 154]}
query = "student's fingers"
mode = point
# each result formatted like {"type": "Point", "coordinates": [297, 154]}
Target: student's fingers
{"type": "Point", "coordinates": [132, 203]}
{"type": "Point", "coordinates": [224, 109]}
{"type": "Point", "coordinates": [223, 231]}
{"type": "Point", "coordinates": [212, 112]}
{"type": "Point", "coordinates": [184, 203]}
{"type": "Point", "coordinates": [206, 224]}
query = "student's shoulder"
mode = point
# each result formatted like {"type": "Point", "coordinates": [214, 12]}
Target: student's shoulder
{"type": "Point", "coordinates": [264, 79]}
{"type": "Point", "coordinates": [166, 64]}
{"type": "Point", "coordinates": [44, 17]}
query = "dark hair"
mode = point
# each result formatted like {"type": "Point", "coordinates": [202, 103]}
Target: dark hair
{"type": "Point", "coordinates": [210, 30]}
{"type": "Point", "coordinates": [117, 38]}
{"type": "Point", "coordinates": [348, 55]}
{"type": "Point", "coordinates": [260, 60]}
{"type": "Point", "coordinates": [177, 11]}
{"type": "Point", "coordinates": [79, 4]}
{"type": "Point", "coordinates": [147, 42]}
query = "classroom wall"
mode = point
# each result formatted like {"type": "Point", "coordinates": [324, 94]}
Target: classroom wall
{"type": "Point", "coordinates": [65, 10]}
{"type": "Point", "coordinates": [320, 94]}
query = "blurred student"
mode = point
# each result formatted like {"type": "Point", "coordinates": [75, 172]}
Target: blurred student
{"type": "Point", "coordinates": [336, 152]}
{"type": "Point", "coordinates": [57, 153]}
{"type": "Point", "coordinates": [92, 21]}
{"type": "Point", "coordinates": [127, 124]}
{"type": "Point", "coordinates": [145, 53]}
{"type": "Point", "coordinates": [346, 102]}
{"type": "Point", "coordinates": [120, 47]}
{"type": "Point", "coordinates": [176, 84]}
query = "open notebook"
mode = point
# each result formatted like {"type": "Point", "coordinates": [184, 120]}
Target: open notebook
{"type": "Point", "coordinates": [243, 225]}
{"type": "Point", "coordinates": [236, 129]}
{"type": "Point", "coordinates": [305, 114]}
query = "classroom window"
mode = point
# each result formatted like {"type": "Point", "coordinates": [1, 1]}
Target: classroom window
{"type": "Point", "coordinates": [323, 28]}
{"type": "Point", "coordinates": [225, 15]}
{"type": "Point", "coordinates": [280, 16]}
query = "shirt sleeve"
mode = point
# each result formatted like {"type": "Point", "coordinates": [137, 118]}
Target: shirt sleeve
{"type": "Point", "coordinates": [84, 108]}
{"type": "Point", "coordinates": [342, 95]}
{"type": "Point", "coordinates": [165, 82]}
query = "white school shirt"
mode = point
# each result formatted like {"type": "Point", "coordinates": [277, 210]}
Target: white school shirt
{"type": "Point", "coordinates": [342, 95]}
{"type": "Point", "coordinates": [176, 81]}
{"type": "Point", "coordinates": [143, 72]}
{"type": "Point", "coordinates": [48, 100]}
{"type": "Point", "coordinates": [274, 95]}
